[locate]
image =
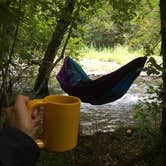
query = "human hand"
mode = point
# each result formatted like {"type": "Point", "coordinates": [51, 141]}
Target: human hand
{"type": "Point", "coordinates": [18, 116]}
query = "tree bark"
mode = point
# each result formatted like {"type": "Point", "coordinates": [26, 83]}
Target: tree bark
{"type": "Point", "coordinates": [41, 84]}
{"type": "Point", "coordinates": [163, 53]}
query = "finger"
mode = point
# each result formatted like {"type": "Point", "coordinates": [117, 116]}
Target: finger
{"type": "Point", "coordinates": [36, 122]}
{"type": "Point", "coordinates": [36, 118]}
{"type": "Point", "coordinates": [35, 131]}
{"type": "Point", "coordinates": [35, 113]}
{"type": "Point", "coordinates": [22, 99]}
{"type": "Point", "coordinates": [21, 105]}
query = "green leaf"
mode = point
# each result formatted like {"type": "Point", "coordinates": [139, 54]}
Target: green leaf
{"type": "Point", "coordinates": [6, 14]}
{"type": "Point", "coordinates": [154, 63]}
{"type": "Point", "coordinates": [26, 56]}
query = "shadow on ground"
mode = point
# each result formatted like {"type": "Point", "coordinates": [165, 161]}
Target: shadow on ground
{"type": "Point", "coordinates": [124, 147]}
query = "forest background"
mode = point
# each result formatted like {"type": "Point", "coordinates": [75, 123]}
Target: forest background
{"type": "Point", "coordinates": [35, 36]}
{"type": "Point", "coordinates": [41, 33]}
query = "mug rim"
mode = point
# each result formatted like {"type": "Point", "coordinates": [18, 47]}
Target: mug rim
{"type": "Point", "coordinates": [78, 100]}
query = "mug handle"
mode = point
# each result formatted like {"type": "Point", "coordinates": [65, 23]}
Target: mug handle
{"type": "Point", "coordinates": [32, 104]}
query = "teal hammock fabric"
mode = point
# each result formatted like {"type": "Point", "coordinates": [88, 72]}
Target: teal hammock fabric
{"type": "Point", "coordinates": [107, 88]}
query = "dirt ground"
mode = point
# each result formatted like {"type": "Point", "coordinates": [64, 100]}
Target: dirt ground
{"type": "Point", "coordinates": [125, 147]}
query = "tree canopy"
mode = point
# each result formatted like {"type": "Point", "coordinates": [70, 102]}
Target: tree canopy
{"type": "Point", "coordinates": [34, 33]}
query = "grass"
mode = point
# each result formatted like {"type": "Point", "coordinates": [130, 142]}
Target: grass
{"type": "Point", "coordinates": [97, 61]}
{"type": "Point", "coordinates": [119, 54]}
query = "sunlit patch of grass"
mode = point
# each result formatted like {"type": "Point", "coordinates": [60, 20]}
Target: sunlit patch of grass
{"type": "Point", "coordinates": [119, 54]}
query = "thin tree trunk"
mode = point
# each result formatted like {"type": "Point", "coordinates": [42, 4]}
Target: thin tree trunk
{"type": "Point", "coordinates": [163, 53]}
{"type": "Point", "coordinates": [41, 84]}
{"type": "Point", "coordinates": [7, 61]}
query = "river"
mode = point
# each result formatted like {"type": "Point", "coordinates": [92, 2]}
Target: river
{"type": "Point", "coordinates": [109, 116]}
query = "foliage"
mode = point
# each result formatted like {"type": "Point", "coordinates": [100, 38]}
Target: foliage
{"type": "Point", "coordinates": [100, 24]}
{"type": "Point", "coordinates": [119, 54]}
{"type": "Point", "coordinates": [26, 29]}
{"type": "Point", "coordinates": [148, 111]}
{"type": "Point", "coordinates": [96, 24]}
{"type": "Point", "coordinates": [135, 23]}
{"type": "Point", "coordinates": [119, 28]}
{"type": "Point", "coordinates": [124, 10]}
{"type": "Point", "coordinates": [153, 67]}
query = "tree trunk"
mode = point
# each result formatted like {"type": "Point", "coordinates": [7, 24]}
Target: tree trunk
{"type": "Point", "coordinates": [163, 53]}
{"type": "Point", "coordinates": [8, 35]}
{"type": "Point", "coordinates": [41, 84]}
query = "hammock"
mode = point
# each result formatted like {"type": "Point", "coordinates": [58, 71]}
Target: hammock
{"type": "Point", "coordinates": [108, 88]}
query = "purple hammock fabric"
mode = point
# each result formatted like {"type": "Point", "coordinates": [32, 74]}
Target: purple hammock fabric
{"type": "Point", "coordinates": [108, 88]}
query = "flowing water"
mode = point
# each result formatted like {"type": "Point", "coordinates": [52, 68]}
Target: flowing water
{"type": "Point", "coordinates": [109, 116]}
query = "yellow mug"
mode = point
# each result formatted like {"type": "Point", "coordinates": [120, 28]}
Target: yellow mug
{"type": "Point", "coordinates": [60, 122]}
